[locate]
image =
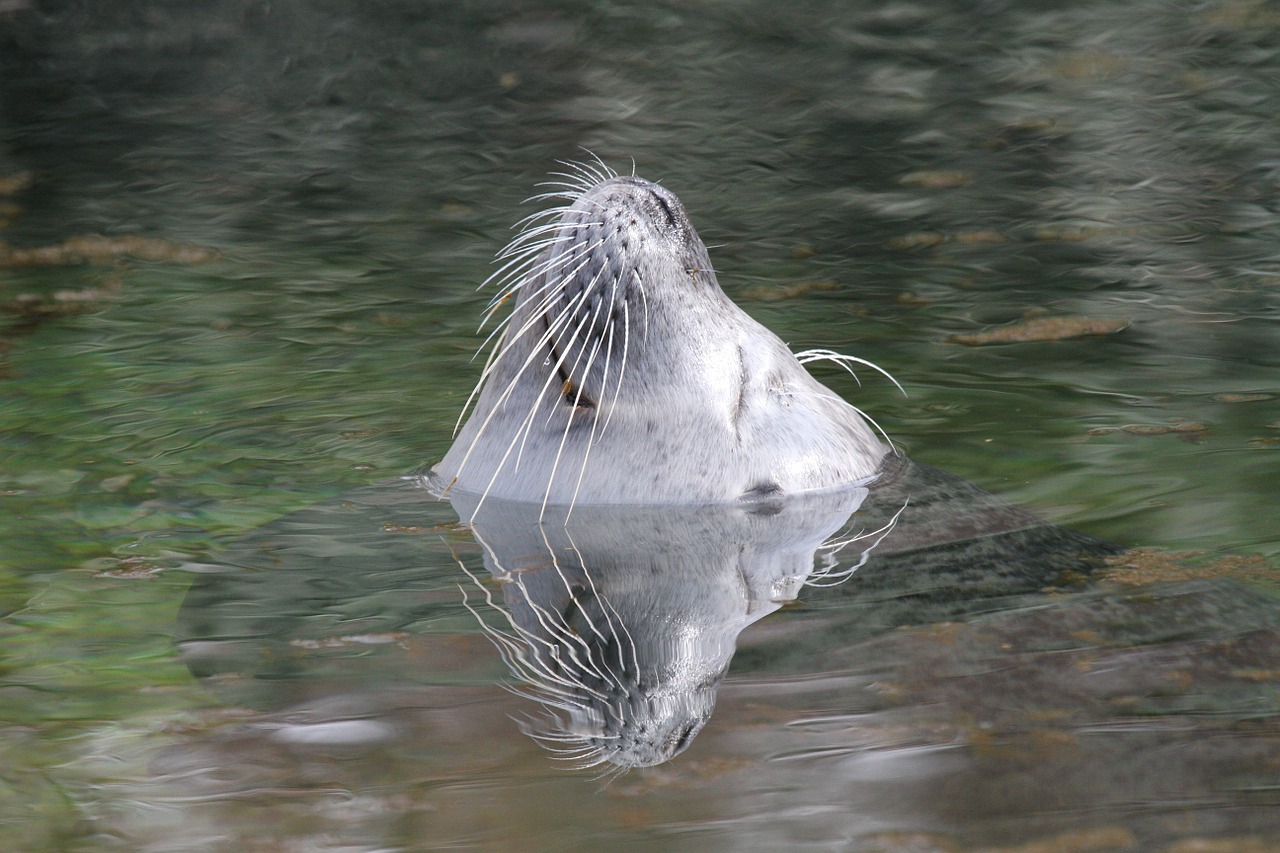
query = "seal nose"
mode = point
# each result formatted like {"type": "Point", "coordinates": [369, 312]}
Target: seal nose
{"type": "Point", "coordinates": [661, 204]}
{"type": "Point", "coordinates": [670, 206]}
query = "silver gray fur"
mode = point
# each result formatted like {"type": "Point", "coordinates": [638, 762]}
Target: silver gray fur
{"type": "Point", "coordinates": [625, 375]}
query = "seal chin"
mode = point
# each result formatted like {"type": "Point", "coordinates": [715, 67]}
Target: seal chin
{"type": "Point", "coordinates": [623, 374]}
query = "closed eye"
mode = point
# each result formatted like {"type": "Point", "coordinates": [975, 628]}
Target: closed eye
{"type": "Point", "coordinates": [573, 396]}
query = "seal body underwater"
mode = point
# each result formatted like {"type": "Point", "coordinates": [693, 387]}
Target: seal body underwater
{"type": "Point", "coordinates": [624, 374]}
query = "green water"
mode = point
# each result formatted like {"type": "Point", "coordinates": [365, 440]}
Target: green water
{"type": "Point", "coordinates": [921, 169]}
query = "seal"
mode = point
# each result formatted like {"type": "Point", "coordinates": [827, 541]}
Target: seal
{"type": "Point", "coordinates": [623, 374]}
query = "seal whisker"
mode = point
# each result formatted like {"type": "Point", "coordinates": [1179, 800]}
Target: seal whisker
{"type": "Point", "coordinates": [500, 348]}
{"type": "Point", "coordinates": [553, 738]}
{"type": "Point", "coordinates": [575, 748]}
{"type": "Point", "coordinates": [591, 439]}
{"type": "Point", "coordinates": [551, 214]}
{"type": "Point", "coordinates": [512, 648]}
{"type": "Point", "coordinates": [546, 213]}
{"type": "Point", "coordinates": [553, 326]}
{"type": "Point", "coordinates": [577, 172]}
{"type": "Point", "coordinates": [517, 280]}
{"type": "Point", "coordinates": [591, 320]}
{"type": "Point", "coordinates": [554, 666]}
{"type": "Point", "coordinates": [548, 293]}
{"type": "Point", "coordinates": [540, 236]}
{"type": "Point", "coordinates": [522, 431]}
{"type": "Point", "coordinates": [553, 344]}
{"type": "Point", "coordinates": [525, 225]}
{"type": "Point", "coordinates": [603, 165]}
{"type": "Point", "coordinates": [568, 425]}
{"type": "Point", "coordinates": [827, 577]}
{"type": "Point", "coordinates": [843, 360]}
{"type": "Point", "coordinates": [580, 171]}
{"type": "Point", "coordinates": [570, 196]}
{"type": "Point", "coordinates": [583, 756]}
{"type": "Point", "coordinates": [600, 167]}
{"type": "Point", "coordinates": [600, 758]}
{"type": "Point", "coordinates": [521, 657]}
{"type": "Point", "coordinates": [533, 667]}
{"type": "Point", "coordinates": [610, 775]}
{"type": "Point", "coordinates": [606, 605]}
{"type": "Point", "coordinates": [577, 604]}
{"type": "Point", "coordinates": [514, 282]}
{"type": "Point", "coordinates": [582, 469]}
{"type": "Point", "coordinates": [630, 644]}
{"type": "Point", "coordinates": [539, 681]}
{"type": "Point", "coordinates": [514, 274]}
{"type": "Point", "coordinates": [831, 395]}
{"type": "Point", "coordinates": [507, 647]}
{"type": "Point", "coordinates": [571, 184]}
{"type": "Point", "coordinates": [569, 641]}
{"type": "Point", "coordinates": [528, 246]}
{"type": "Point", "coordinates": [874, 423]}
{"type": "Point", "coordinates": [579, 751]}
{"type": "Point", "coordinates": [505, 394]}
{"type": "Point", "coordinates": [591, 174]}
{"type": "Point", "coordinates": [519, 261]}
{"type": "Point", "coordinates": [644, 301]}
{"type": "Point", "coordinates": [528, 232]}
{"type": "Point", "coordinates": [580, 183]}
{"type": "Point", "coordinates": [534, 259]}
{"type": "Point", "coordinates": [837, 543]}
{"type": "Point", "coordinates": [543, 693]}
{"type": "Point", "coordinates": [596, 429]}
{"type": "Point", "coordinates": [586, 371]}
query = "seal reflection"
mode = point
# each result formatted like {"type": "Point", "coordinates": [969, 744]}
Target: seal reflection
{"type": "Point", "coordinates": [622, 621]}
{"type": "Point", "coordinates": [342, 620]}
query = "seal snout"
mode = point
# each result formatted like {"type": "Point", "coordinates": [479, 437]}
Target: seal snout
{"type": "Point", "coordinates": [642, 201]}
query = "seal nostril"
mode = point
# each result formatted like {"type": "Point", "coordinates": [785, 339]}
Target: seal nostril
{"type": "Point", "coordinates": [666, 208]}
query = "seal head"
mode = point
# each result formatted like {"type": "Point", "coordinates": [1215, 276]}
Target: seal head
{"type": "Point", "coordinates": [625, 375]}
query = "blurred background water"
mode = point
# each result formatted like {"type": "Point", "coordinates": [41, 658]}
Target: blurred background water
{"type": "Point", "coordinates": [241, 243]}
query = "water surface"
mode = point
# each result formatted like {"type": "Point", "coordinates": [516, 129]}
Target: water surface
{"type": "Point", "coordinates": [242, 245]}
